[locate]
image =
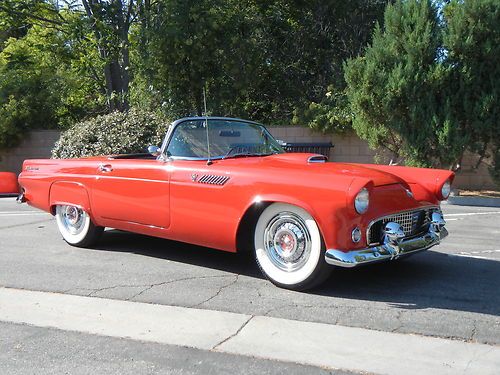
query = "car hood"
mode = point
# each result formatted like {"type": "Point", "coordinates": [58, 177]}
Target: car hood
{"type": "Point", "coordinates": [302, 162]}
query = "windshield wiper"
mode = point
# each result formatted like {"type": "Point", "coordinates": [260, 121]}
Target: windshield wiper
{"type": "Point", "coordinates": [245, 154]}
{"type": "Point", "coordinates": [232, 154]}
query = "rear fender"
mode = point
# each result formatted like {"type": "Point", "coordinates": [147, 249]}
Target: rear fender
{"type": "Point", "coordinates": [69, 193]}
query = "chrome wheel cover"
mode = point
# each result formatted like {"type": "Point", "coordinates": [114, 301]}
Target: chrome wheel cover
{"type": "Point", "coordinates": [287, 241]}
{"type": "Point", "coordinates": [73, 219]}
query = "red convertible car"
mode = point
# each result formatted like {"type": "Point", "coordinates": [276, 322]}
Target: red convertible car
{"type": "Point", "coordinates": [226, 183]}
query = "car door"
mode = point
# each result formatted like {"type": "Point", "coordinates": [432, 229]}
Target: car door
{"type": "Point", "coordinates": [134, 191]}
{"type": "Point", "coordinates": [201, 203]}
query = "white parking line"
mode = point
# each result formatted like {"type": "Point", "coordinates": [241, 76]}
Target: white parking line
{"type": "Point", "coordinates": [318, 344]}
{"type": "Point", "coordinates": [474, 213]}
{"type": "Point", "coordinates": [470, 256]}
{"type": "Point", "coordinates": [476, 254]}
{"type": "Point", "coordinates": [23, 213]}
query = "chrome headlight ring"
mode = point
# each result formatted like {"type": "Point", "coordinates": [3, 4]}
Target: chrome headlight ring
{"type": "Point", "coordinates": [446, 189]}
{"type": "Point", "coordinates": [362, 201]}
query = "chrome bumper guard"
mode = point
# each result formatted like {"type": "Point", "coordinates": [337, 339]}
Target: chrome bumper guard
{"type": "Point", "coordinates": [20, 198]}
{"type": "Point", "coordinates": [393, 245]}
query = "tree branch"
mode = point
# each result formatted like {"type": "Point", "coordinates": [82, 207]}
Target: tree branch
{"type": "Point", "coordinates": [28, 15]}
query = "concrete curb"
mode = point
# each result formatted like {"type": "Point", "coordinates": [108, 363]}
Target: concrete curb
{"type": "Point", "coordinates": [317, 344]}
{"type": "Point", "coordinates": [473, 201]}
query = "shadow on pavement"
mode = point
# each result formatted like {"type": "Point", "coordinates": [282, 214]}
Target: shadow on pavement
{"type": "Point", "coordinates": [119, 241]}
{"type": "Point", "coordinates": [426, 280]}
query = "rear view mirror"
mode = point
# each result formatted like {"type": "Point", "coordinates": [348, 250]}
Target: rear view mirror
{"type": "Point", "coordinates": [154, 150]}
{"type": "Point", "coordinates": [229, 133]}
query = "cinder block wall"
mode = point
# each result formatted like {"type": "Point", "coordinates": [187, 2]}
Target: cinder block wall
{"type": "Point", "coordinates": [37, 144]}
{"type": "Point", "coordinates": [348, 148]}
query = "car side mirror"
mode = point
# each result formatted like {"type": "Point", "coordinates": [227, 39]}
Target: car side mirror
{"type": "Point", "coordinates": [154, 150]}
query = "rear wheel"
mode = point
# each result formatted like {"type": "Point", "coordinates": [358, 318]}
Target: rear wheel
{"type": "Point", "coordinates": [76, 227]}
{"type": "Point", "coordinates": [289, 248]}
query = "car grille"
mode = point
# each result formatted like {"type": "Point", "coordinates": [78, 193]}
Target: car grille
{"type": "Point", "coordinates": [412, 222]}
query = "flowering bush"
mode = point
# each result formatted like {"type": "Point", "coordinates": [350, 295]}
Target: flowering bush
{"type": "Point", "coordinates": [115, 133]}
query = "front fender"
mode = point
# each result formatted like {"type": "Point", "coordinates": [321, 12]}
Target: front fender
{"type": "Point", "coordinates": [426, 183]}
{"type": "Point", "coordinates": [324, 211]}
{"type": "Point", "coordinates": [282, 198]}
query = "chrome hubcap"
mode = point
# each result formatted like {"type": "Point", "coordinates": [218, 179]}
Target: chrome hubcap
{"type": "Point", "coordinates": [73, 219]}
{"type": "Point", "coordinates": [287, 241]}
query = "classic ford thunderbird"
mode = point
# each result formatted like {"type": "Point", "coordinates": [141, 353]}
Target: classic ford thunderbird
{"type": "Point", "coordinates": [227, 184]}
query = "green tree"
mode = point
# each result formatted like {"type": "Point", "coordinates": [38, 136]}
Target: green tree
{"type": "Point", "coordinates": [427, 87]}
{"type": "Point", "coordinates": [266, 60]}
{"type": "Point", "coordinates": [110, 21]}
{"type": "Point", "coordinates": [472, 39]}
{"type": "Point", "coordinates": [17, 16]}
{"type": "Point", "coordinates": [44, 79]}
{"type": "Point", "coordinates": [105, 24]}
{"type": "Point", "coordinates": [395, 88]}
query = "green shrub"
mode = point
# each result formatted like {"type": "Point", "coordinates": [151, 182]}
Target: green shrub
{"type": "Point", "coordinates": [115, 133]}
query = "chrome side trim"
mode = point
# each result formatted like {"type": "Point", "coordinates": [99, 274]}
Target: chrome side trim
{"type": "Point", "coordinates": [391, 248]}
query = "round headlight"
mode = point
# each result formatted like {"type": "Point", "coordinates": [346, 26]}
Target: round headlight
{"type": "Point", "coordinates": [362, 201]}
{"type": "Point", "coordinates": [446, 189]}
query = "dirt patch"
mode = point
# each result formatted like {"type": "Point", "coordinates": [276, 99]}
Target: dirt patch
{"type": "Point", "coordinates": [479, 193]}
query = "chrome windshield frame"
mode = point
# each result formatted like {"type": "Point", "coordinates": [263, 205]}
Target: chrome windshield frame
{"type": "Point", "coordinates": [166, 141]}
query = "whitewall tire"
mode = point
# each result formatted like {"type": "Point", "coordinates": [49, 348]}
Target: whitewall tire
{"type": "Point", "coordinates": [76, 227]}
{"type": "Point", "coordinates": [289, 249]}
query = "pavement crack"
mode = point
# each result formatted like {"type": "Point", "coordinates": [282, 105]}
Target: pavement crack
{"type": "Point", "coordinates": [216, 346]}
{"type": "Point", "coordinates": [398, 319]}
{"type": "Point", "coordinates": [219, 291]}
{"type": "Point", "coordinates": [74, 290]}
{"type": "Point", "coordinates": [151, 286]}
{"type": "Point", "coordinates": [95, 291]}
{"type": "Point", "coordinates": [474, 331]}
{"type": "Point", "coordinates": [145, 287]}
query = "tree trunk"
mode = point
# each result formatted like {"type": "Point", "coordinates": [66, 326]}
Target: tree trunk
{"type": "Point", "coordinates": [117, 61]}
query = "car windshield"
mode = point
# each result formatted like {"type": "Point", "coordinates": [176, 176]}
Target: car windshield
{"type": "Point", "coordinates": [228, 139]}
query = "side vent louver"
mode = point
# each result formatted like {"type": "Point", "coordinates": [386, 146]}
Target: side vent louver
{"type": "Point", "coordinates": [213, 179]}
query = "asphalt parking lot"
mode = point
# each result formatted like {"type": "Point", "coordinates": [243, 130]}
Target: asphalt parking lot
{"type": "Point", "coordinates": [449, 292]}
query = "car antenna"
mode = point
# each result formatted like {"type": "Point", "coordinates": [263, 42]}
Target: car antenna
{"type": "Point", "coordinates": [209, 161]}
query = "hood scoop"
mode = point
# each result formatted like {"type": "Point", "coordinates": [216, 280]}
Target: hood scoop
{"type": "Point", "coordinates": [317, 159]}
{"type": "Point", "coordinates": [300, 157]}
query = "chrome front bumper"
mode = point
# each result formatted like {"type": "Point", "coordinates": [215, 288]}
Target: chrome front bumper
{"type": "Point", "coordinates": [391, 247]}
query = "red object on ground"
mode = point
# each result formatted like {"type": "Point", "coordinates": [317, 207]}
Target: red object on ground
{"type": "Point", "coordinates": [8, 184]}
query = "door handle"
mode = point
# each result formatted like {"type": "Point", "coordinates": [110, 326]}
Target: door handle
{"type": "Point", "coordinates": [105, 168]}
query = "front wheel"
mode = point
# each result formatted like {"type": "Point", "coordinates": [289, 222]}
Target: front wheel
{"type": "Point", "coordinates": [76, 227]}
{"type": "Point", "coordinates": [289, 248]}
